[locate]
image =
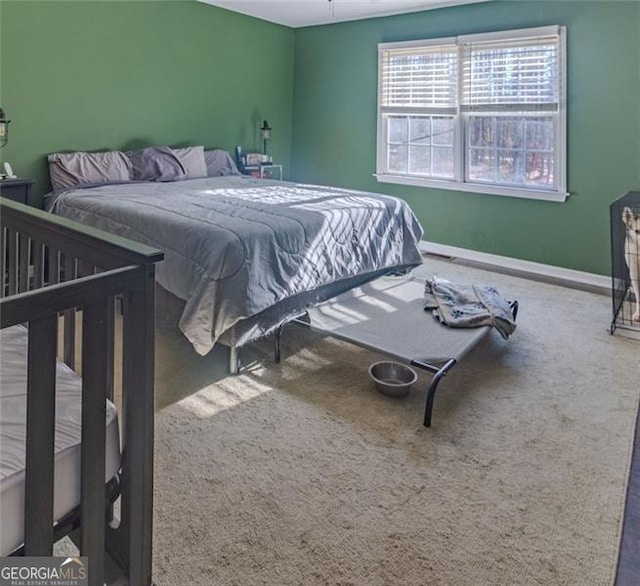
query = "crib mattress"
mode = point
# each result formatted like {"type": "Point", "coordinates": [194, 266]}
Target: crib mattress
{"type": "Point", "coordinates": [13, 408]}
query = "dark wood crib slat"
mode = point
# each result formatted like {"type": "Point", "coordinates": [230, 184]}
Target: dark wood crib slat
{"type": "Point", "coordinates": [95, 381]}
{"type": "Point", "coordinates": [38, 265]}
{"type": "Point", "coordinates": [138, 415]}
{"type": "Point", "coordinates": [69, 353]}
{"type": "Point", "coordinates": [3, 261]}
{"type": "Point", "coordinates": [41, 367]}
{"type": "Point", "coordinates": [53, 256]}
{"type": "Point", "coordinates": [23, 262]}
{"type": "Point", "coordinates": [110, 346]}
{"type": "Point", "coordinates": [12, 254]}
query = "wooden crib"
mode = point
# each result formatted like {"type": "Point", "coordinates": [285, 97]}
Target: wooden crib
{"type": "Point", "coordinates": [58, 275]}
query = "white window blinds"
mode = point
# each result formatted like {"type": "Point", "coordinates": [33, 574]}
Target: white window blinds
{"type": "Point", "coordinates": [419, 78]}
{"type": "Point", "coordinates": [483, 109]}
{"type": "Point", "coordinates": [495, 72]}
{"type": "Point", "coordinates": [520, 74]}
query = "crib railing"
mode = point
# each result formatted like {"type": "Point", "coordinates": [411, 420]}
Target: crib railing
{"type": "Point", "coordinates": [54, 271]}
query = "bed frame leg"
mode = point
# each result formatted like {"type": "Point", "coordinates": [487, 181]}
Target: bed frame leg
{"type": "Point", "coordinates": [301, 319]}
{"type": "Point", "coordinates": [277, 352]}
{"type": "Point", "coordinates": [234, 359]}
{"type": "Point", "coordinates": [431, 391]}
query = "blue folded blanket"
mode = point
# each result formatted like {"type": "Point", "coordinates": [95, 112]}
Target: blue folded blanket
{"type": "Point", "coordinates": [468, 306]}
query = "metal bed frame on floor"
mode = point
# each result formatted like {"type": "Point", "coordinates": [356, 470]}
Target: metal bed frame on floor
{"type": "Point", "coordinates": [387, 316]}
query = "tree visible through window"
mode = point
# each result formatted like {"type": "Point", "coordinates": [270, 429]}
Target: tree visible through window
{"type": "Point", "coordinates": [475, 110]}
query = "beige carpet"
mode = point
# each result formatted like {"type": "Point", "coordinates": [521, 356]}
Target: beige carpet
{"type": "Point", "coordinates": [303, 474]}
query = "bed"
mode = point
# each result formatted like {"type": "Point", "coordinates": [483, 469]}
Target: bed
{"type": "Point", "coordinates": [245, 255]}
{"type": "Point", "coordinates": [62, 464]}
{"type": "Point", "coordinates": [388, 316]}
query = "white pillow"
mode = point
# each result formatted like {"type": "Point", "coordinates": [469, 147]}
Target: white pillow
{"type": "Point", "coordinates": [192, 159]}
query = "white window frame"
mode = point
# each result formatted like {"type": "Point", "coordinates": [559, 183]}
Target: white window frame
{"type": "Point", "coordinates": [459, 183]}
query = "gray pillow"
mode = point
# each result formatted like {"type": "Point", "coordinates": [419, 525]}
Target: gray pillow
{"type": "Point", "coordinates": [68, 170]}
{"type": "Point", "coordinates": [192, 159]}
{"type": "Point", "coordinates": [156, 164]}
{"type": "Point", "coordinates": [219, 162]}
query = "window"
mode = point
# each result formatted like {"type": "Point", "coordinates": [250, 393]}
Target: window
{"type": "Point", "coordinates": [482, 113]}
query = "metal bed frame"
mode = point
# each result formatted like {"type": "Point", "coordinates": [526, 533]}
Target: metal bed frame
{"type": "Point", "coordinates": [52, 267]}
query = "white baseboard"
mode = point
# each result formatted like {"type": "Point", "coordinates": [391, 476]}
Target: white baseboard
{"type": "Point", "coordinates": [542, 272]}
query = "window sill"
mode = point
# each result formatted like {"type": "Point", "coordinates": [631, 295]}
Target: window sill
{"type": "Point", "coordinates": [477, 188]}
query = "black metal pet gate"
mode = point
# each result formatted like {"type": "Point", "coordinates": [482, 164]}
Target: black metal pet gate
{"type": "Point", "coordinates": [625, 261]}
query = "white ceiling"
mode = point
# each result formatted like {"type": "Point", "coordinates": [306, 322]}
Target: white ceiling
{"type": "Point", "coordinates": [297, 13]}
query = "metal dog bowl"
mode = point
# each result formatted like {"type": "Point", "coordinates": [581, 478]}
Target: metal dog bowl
{"type": "Point", "coordinates": [392, 378]}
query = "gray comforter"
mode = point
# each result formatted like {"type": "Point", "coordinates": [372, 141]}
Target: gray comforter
{"type": "Point", "coordinates": [235, 246]}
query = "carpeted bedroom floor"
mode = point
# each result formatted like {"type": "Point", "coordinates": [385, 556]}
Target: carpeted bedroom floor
{"type": "Point", "coordinates": [302, 473]}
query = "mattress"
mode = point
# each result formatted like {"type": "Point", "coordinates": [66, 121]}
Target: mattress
{"type": "Point", "coordinates": [236, 246]}
{"type": "Point", "coordinates": [13, 407]}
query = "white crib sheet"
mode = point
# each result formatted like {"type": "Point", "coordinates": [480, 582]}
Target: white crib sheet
{"type": "Point", "coordinates": [13, 406]}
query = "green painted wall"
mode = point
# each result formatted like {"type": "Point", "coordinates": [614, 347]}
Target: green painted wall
{"type": "Point", "coordinates": [334, 125]}
{"type": "Point", "coordinates": [93, 75]}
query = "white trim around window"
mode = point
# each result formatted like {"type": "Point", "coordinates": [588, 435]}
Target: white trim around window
{"type": "Point", "coordinates": [481, 113]}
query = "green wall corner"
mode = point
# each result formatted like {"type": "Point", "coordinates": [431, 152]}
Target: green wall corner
{"type": "Point", "coordinates": [334, 130]}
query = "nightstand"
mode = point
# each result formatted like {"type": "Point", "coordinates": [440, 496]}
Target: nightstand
{"type": "Point", "coordinates": [264, 171]}
{"type": "Point", "coordinates": [17, 189]}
